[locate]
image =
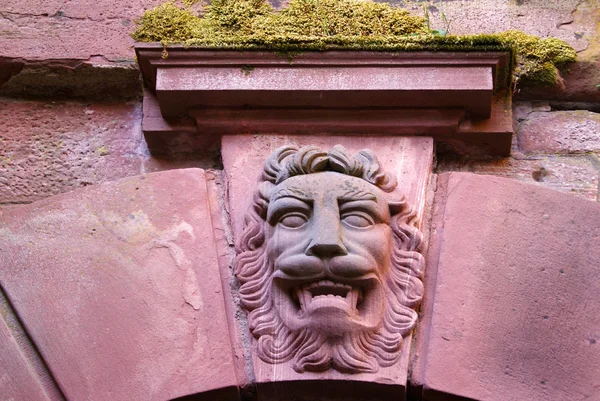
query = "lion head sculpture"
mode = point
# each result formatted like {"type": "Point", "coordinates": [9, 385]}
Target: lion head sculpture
{"type": "Point", "coordinates": [329, 268]}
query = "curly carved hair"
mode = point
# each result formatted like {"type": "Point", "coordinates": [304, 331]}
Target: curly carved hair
{"type": "Point", "coordinates": [311, 351]}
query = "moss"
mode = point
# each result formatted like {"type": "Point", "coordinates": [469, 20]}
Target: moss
{"type": "Point", "coordinates": [236, 17]}
{"type": "Point", "coordinates": [538, 60]}
{"type": "Point", "coordinates": [166, 23]}
{"type": "Point", "coordinates": [317, 25]}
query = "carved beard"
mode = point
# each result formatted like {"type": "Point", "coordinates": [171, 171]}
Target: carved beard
{"type": "Point", "coordinates": [354, 352]}
{"type": "Point", "coordinates": [315, 352]}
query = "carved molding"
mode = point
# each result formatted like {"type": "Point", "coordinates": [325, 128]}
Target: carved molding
{"type": "Point", "coordinates": [457, 98]}
{"type": "Point", "coordinates": [330, 268]}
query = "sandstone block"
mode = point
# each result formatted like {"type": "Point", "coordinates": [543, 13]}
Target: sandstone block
{"type": "Point", "coordinates": [47, 148]}
{"type": "Point", "coordinates": [118, 286]}
{"type": "Point", "coordinates": [511, 310]}
{"type": "Point", "coordinates": [561, 132]}
{"type": "Point", "coordinates": [574, 175]}
{"type": "Point", "coordinates": [328, 342]}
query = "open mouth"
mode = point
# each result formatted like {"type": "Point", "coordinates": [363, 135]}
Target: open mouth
{"type": "Point", "coordinates": [327, 293]}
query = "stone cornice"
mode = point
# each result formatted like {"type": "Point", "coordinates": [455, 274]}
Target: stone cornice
{"type": "Point", "coordinates": [457, 98]}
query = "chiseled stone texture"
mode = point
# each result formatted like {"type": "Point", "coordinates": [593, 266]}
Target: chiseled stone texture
{"type": "Point", "coordinates": [577, 175]}
{"type": "Point", "coordinates": [560, 132]}
{"type": "Point", "coordinates": [511, 306]}
{"type": "Point", "coordinates": [53, 29]}
{"type": "Point", "coordinates": [17, 378]}
{"type": "Point", "coordinates": [48, 148]}
{"type": "Point", "coordinates": [538, 17]}
{"type": "Point", "coordinates": [119, 287]}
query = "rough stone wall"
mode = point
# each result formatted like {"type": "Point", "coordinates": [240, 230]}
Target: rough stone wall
{"type": "Point", "coordinates": [70, 109]}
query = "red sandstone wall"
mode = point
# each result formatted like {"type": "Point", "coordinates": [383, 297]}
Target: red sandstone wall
{"type": "Point", "coordinates": [70, 109]}
{"type": "Point", "coordinates": [70, 101]}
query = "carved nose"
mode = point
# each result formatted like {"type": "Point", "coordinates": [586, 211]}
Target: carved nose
{"type": "Point", "coordinates": [326, 243]}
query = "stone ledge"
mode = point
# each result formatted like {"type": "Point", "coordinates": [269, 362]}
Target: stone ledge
{"type": "Point", "coordinates": [95, 78]}
{"type": "Point", "coordinates": [456, 98]}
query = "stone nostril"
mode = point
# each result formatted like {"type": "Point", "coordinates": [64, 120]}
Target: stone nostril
{"type": "Point", "coordinates": [326, 250]}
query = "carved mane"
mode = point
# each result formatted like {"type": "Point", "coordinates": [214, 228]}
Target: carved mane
{"type": "Point", "coordinates": [359, 352]}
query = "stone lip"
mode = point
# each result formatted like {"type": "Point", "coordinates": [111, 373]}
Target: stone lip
{"type": "Point", "coordinates": [94, 78]}
{"type": "Point", "coordinates": [455, 97]}
{"type": "Point", "coordinates": [329, 79]}
{"type": "Point", "coordinates": [511, 298]}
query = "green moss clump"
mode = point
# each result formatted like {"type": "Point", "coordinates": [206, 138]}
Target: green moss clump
{"type": "Point", "coordinates": [166, 23]}
{"type": "Point", "coordinates": [343, 18]}
{"type": "Point", "coordinates": [236, 17]}
{"type": "Point", "coordinates": [317, 25]}
{"type": "Point", "coordinates": [538, 60]}
{"type": "Point", "coordinates": [242, 21]}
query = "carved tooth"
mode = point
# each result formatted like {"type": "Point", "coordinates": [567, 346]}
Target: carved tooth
{"type": "Point", "coordinates": [305, 297]}
{"type": "Point", "coordinates": [352, 299]}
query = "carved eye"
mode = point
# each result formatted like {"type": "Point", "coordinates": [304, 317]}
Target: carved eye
{"type": "Point", "coordinates": [293, 220]}
{"type": "Point", "coordinates": [358, 219]}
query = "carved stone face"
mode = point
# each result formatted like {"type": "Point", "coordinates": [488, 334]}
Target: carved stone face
{"type": "Point", "coordinates": [329, 239]}
{"type": "Point", "coordinates": [329, 271]}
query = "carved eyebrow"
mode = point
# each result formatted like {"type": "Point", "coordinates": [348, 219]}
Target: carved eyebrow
{"type": "Point", "coordinates": [356, 195]}
{"type": "Point", "coordinates": [290, 193]}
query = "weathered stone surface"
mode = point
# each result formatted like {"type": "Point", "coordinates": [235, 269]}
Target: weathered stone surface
{"type": "Point", "coordinates": [573, 21]}
{"type": "Point", "coordinates": [17, 378]}
{"type": "Point", "coordinates": [511, 309]}
{"type": "Point", "coordinates": [579, 83]}
{"type": "Point", "coordinates": [93, 79]}
{"type": "Point", "coordinates": [96, 35]}
{"type": "Point", "coordinates": [27, 22]}
{"type": "Point", "coordinates": [581, 78]}
{"type": "Point", "coordinates": [216, 185]}
{"type": "Point", "coordinates": [542, 18]}
{"type": "Point", "coordinates": [560, 132]}
{"type": "Point", "coordinates": [119, 287]}
{"type": "Point", "coordinates": [522, 109]}
{"type": "Point", "coordinates": [48, 148]}
{"type": "Point", "coordinates": [53, 30]}
{"type": "Point", "coordinates": [243, 157]}
{"type": "Point", "coordinates": [579, 176]}
{"type": "Point", "coordinates": [69, 49]}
